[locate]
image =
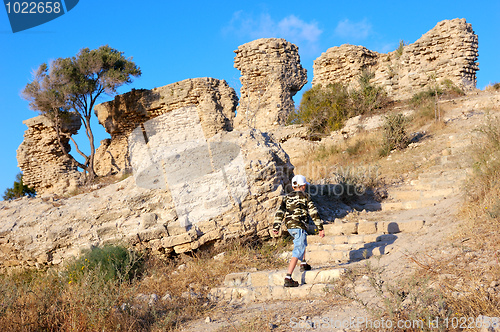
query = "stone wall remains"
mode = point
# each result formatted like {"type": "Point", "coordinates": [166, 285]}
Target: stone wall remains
{"type": "Point", "coordinates": [41, 159]}
{"type": "Point", "coordinates": [447, 52]}
{"type": "Point", "coordinates": [208, 190]}
{"type": "Point", "coordinates": [215, 100]}
{"type": "Point", "coordinates": [271, 74]}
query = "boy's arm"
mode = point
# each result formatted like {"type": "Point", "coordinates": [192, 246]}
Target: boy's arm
{"type": "Point", "coordinates": [278, 217]}
{"type": "Point", "coordinates": [313, 212]}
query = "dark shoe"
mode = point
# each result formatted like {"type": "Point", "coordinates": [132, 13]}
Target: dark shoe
{"type": "Point", "coordinates": [305, 267]}
{"type": "Point", "coordinates": [291, 283]}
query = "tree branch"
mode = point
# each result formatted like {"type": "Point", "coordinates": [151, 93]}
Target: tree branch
{"type": "Point", "coordinates": [78, 150]}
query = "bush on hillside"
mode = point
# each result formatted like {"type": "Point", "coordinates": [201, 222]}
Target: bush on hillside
{"type": "Point", "coordinates": [395, 136]}
{"type": "Point", "coordinates": [326, 108]}
{"type": "Point", "coordinates": [323, 108]}
{"type": "Point", "coordinates": [111, 262]}
{"type": "Point", "coordinates": [368, 97]}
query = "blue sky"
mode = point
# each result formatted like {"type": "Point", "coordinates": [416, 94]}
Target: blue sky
{"type": "Point", "coordinates": [175, 40]}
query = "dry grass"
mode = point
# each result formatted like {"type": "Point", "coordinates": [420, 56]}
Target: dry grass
{"type": "Point", "coordinates": [411, 299]}
{"type": "Point", "coordinates": [51, 301]}
{"type": "Point", "coordinates": [493, 87]}
{"type": "Point", "coordinates": [352, 154]}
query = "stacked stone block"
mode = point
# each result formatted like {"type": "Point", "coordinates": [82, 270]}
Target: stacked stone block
{"type": "Point", "coordinates": [447, 52]}
{"type": "Point", "coordinates": [271, 74]}
{"type": "Point", "coordinates": [41, 159]}
{"type": "Point", "coordinates": [215, 103]}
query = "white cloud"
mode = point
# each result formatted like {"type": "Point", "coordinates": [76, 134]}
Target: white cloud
{"type": "Point", "coordinates": [353, 30]}
{"type": "Point", "coordinates": [291, 28]}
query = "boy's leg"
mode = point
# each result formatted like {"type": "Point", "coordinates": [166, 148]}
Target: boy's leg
{"type": "Point", "coordinates": [303, 265]}
{"type": "Point", "coordinates": [299, 247]}
{"type": "Point", "coordinates": [293, 263]}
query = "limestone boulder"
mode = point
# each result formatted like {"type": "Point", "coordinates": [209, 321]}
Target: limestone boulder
{"type": "Point", "coordinates": [221, 187]}
{"type": "Point", "coordinates": [215, 105]}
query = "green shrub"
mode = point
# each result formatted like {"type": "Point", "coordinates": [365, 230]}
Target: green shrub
{"type": "Point", "coordinates": [111, 262]}
{"type": "Point", "coordinates": [401, 46]}
{"type": "Point", "coordinates": [326, 108]}
{"type": "Point", "coordinates": [451, 89]}
{"type": "Point", "coordinates": [323, 109]}
{"type": "Point", "coordinates": [395, 136]}
{"type": "Point", "coordinates": [496, 86]}
{"type": "Point", "coordinates": [368, 96]}
{"type": "Point", "coordinates": [423, 96]}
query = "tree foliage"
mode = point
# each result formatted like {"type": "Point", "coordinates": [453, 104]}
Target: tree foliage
{"type": "Point", "coordinates": [19, 189]}
{"type": "Point", "coordinates": [71, 86]}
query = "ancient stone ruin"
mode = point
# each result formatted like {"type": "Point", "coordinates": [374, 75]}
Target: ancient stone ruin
{"type": "Point", "coordinates": [215, 101]}
{"type": "Point", "coordinates": [187, 190]}
{"type": "Point", "coordinates": [271, 74]}
{"type": "Point", "coordinates": [200, 174]}
{"type": "Point", "coordinates": [40, 157]}
{"type": "Point", "coordinates": [448, 51]}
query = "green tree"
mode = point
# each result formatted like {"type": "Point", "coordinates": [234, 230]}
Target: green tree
{"type": "Point", "coordinates": [18, 190]}
{"type": "Point", "coordinates": [71, 86]}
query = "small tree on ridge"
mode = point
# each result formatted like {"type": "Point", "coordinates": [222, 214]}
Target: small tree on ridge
{"type": "Point", "coordinates": [73, 85]}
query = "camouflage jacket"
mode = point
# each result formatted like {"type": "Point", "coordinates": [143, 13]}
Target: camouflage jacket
{"type": "Point", "coordinates": [295, 208]}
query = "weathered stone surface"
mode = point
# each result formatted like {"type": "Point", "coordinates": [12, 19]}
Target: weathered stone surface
{"type": "Point", "coordinates": [215, 105]}
{"type": "Point", "coordinates": [448, 51]}
{"type": "Point", "coordinates": [271, 74]}
{"type": "Point", "coordinates": [41, 159]}
{"type": "Point", "coordinates": [47, 231]}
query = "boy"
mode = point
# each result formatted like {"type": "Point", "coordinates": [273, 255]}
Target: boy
{"type": "Point", "coordinates": [295, 209]}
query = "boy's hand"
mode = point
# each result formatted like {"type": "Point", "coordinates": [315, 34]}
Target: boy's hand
{"type": "Point", "coordinates": [322, 233]}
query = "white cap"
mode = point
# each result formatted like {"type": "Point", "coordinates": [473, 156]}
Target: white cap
{"type": "Point", "coordinates": [299, 180]}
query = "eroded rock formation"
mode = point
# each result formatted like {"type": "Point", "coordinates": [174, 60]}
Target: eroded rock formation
{"type": "Point", "coordinates": [222, 187]}
{"type": "Point", "coordinates": [215, 101]}
{"type": "Point", "coordinates": [41, 159]}
{"type": "Point", "coordinates": [271, 74]}
{"type": "Point", "coordinates": [448, 51]}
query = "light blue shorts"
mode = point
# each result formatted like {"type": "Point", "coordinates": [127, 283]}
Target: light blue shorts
{"type": "Point", "coordinates": [299, 242]}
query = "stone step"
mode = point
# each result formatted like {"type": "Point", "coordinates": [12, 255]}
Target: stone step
{"type": "Point", "coordinates": [409, 205]}
{"type": "Point", "coordinates": [415, 195]}
{"type": "Point", "coordinates": [436, 185]}
{"type": "Point", "coordinates": [268, 285]}
{"type": "Point", "coordinates": [275, 278]}
{"type": "Point", "coordinates": [342, 246]}
{"type": "Point", "coordinates": [344, 256]}
{"type": "Point", "coordinates": [351, 239]}
{"type": "Point", "coordinates": [441, 174]}
{"type": "Point", "coordinates": [266, 293]}
{"type": "Point", "coordinates": [372, 227]}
